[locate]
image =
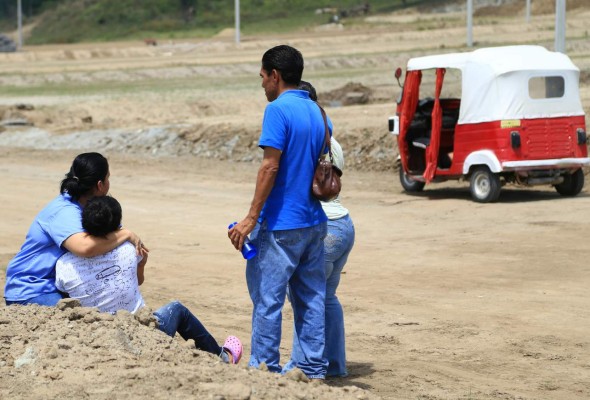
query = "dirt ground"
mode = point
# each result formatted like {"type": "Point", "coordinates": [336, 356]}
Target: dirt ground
{"type": "Point", "coordinates": [444, 298]}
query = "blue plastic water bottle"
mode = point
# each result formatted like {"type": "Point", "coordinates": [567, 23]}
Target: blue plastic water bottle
{"type": "Point", "coordinates": [248, 249]}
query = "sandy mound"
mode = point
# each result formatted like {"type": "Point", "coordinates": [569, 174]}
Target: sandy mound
{"type": "Point", "coordinates": [70, 352]}
{"type": "Point", "coordinates": [349, 94]}
{"type": "Point", "coordinates": [226, 33]}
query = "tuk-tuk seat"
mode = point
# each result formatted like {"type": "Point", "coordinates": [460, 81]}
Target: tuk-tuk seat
{"type": "Point", "coordinates": [421, 142]}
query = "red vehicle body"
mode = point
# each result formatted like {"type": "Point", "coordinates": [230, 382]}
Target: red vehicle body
{"type": "Point", "coordinates": [518, 119]}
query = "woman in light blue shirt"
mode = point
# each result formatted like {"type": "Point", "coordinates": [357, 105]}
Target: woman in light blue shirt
{"type": "Point", "coordinates": [30, 275]}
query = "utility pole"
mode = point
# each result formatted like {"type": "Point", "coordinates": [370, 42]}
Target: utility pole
{"type": "Point", "coordinates": [469, 23]}
{"type": "Point", "coordinates": [560, 26]}
{"type": "Point", "coordinates": [237, 12]}
{"type": "Point", "coordinates": [19, 17]}
{"type": "Point", "coordinates": [528, 11]}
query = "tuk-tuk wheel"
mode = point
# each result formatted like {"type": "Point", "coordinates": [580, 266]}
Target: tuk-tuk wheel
{"type": "Point", "coordinates": [409, 184]}
{"type": "Point", "coordinates": [484, 185]}
{"type": "Point", "coordinates": [572, 184]}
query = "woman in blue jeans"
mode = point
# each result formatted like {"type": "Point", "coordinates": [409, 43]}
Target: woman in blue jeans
{"type": "Point", "coordinates": [337, 246]}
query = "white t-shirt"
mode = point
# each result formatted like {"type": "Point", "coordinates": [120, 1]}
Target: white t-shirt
{"type": "Point", "coordinates": [108, 281]}
{"type": "Point", "coordinates": [334, 209]}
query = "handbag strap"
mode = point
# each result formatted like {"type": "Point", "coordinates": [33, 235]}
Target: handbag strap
{"type": "Point", "coordinates": [327, 141]}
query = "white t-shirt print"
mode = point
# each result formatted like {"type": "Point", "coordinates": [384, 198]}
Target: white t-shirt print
{"type": "Point", "coordinates": [108, 281]}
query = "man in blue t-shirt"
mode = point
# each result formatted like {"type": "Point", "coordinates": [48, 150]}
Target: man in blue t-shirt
{"type": "Point", "coordinates": [286, 223]}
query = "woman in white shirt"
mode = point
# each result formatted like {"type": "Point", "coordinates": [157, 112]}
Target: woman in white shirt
{"type": "Point", "coordinates": [337, 246]}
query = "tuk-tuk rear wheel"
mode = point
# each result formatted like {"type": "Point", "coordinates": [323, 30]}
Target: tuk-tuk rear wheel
{"type": "Point", "coordinates": [484, 185]}
{"type": "Point", "coordinates": [572, 184]}
{"type": "Point", "coordinates": [409, 184]}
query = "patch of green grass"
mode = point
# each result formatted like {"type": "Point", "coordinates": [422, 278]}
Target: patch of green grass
{"type": "Point", "coordinates": [74, 88]}
{"type": "Point", "coordinates": [70, 21]}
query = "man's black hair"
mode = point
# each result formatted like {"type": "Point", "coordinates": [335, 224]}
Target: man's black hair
{"type": "Point", "coordinates": [101, 216]}
{"type": "Point", "coordinates": [285, 59]}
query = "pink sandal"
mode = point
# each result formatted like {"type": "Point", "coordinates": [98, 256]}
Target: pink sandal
{"type": "Point", "coordinates": [234, 347]}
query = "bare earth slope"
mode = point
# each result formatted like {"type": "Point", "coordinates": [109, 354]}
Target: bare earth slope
{"type": "Point", "coordinates": [74, 353]}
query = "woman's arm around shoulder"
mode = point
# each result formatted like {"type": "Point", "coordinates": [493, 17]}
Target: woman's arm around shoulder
{"type": "Point", "coordinates": [84, 245]}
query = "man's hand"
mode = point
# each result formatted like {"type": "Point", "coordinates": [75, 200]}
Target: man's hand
{"type": "Point", "coordinates": [264, 183]}
{"type": "Point", "coordinates": [238, 233]}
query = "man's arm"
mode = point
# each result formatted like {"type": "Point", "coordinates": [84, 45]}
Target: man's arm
{"type": "Point", "coordinates": [265, 181]}
{"type": "Point", "coordinates": [85, 245]}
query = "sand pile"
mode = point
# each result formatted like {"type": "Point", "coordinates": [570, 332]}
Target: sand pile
{"type": "Point", "coordinates": [71, 352]}
{"type": "Point", "coordinates": [349, 94]}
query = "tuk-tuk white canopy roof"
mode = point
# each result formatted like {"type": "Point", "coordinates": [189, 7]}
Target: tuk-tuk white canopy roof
{"type": "Point", "coordinates": [495, 82]}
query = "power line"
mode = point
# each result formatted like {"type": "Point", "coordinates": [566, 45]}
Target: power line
{"type": "Point", "coordinates": [469, 23]}
{"type": "Point", "coordinates": [19, 17]}
{"type": "Point", "coordinates": [560, 26]}
{"type": "Point", "coordinates": [237, 17]}
{"type": "Point", "coordinates": [528, 11]}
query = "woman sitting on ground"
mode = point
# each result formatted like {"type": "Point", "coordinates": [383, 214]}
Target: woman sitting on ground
{"type": "Point", "coordinates": [30, 275]}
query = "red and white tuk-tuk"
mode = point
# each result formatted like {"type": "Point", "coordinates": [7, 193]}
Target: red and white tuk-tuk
{"type": "Point", "coordinates": [494, 115]}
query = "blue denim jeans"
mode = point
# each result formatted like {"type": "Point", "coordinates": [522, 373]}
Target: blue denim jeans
{"type": "Point", "coordinates": [291, 258]}
{"type": "Point", "coordinates": [338, 244]}
{"type": "Point", "coordinates": [46, 299]}
{"type": "Point", "coordinates": [174, 317]}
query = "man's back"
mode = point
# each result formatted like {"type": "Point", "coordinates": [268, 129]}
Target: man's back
{"type": "Point", "coordinates": [108, 282]}
{"type": "Point", "coordinates": [294, 125]}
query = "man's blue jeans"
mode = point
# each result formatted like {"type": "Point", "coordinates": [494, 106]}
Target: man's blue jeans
{"type": "Point", "coordinates": [174, 317]}
{"type": "Point", "coordinates": [292, 258]}
{"type": "Point", "coordinates": [337, 244]}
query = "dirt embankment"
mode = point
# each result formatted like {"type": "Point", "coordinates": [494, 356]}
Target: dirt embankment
{"type": "Point", "coordinates": [72, 352]}
{"type": "Point", "coordinates": [105, 127]}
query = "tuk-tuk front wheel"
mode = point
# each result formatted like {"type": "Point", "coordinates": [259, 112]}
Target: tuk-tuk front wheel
{"type": "Point", "coordinates": [409, 184]}
{"type": "Point", "coordinates": [484, 185]}
{"type": "Point", "coordinates": [572, 184]}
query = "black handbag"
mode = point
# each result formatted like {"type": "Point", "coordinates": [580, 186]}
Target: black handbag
{"type": "Point", "coordinates": [326, 180]}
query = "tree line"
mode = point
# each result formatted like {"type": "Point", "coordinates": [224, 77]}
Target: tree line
{"type": "Point", "coordinates": [30, 8]}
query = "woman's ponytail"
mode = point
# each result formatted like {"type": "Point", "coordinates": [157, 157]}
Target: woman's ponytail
{"type": "Point", "coordinates": [86, 171]}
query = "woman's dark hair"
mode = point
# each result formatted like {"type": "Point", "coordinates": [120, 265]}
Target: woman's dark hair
{"type": "Point", "coordinates": [85, 172]}
{"type": "Point", "coordinates": [101, 216]}
{"type": "Point", "coordinates": [308, 87]}
{"type": "Point", "coordinates": [285, 59]}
